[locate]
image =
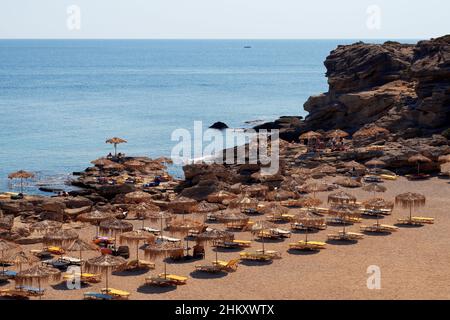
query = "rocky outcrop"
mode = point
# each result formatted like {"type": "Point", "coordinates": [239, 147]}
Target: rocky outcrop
{"type": "Point", "coordinates": [219, 126]}
{"type": "Point", "coordinates": [396, 86]}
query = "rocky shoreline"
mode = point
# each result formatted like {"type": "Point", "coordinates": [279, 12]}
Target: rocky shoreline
{"type": "Point", "coordinates": [402, 89]}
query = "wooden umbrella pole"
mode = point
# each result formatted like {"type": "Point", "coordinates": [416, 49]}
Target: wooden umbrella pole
{"type": "Point", "coordinates": [81, 263]}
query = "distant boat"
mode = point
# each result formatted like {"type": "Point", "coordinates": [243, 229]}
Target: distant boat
{"type": "Point", "coordinates": [247, 47]}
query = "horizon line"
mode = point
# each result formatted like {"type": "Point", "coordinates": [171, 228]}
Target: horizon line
{"type": "Point", "coordinates": [214, 39]}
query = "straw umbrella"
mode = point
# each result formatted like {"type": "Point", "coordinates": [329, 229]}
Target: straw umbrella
{"type": "Point", "coordinates": [337, 133]}
{"type": "Point", "coordinates": [310, 135]}
{"type": "Point", "coordinates": [378, 204]}
{"type": "Point", "coordinates": [232, 216]}
{"type": "Point", "coordinates": [309, 202]}
{"type": "Point", "coordinates": [374, 187]}
{"type": "Point", "coordinates": [115, 141]}
{"type": "Point", "coordinates": [163, 249]}
{"type": "Point", "coordinates": [60, 238]}
{"type": "Point", "coordinates": [138, 197]}
{"type": "Point", "coordinates": [375, 163]}
{"type": "Point", "coordinates": [341, 197]}
{"type": "Point", "coordinates": [114, 226]}
{"type": "Point", "coordinates": [22, 175]}
{"type": "Point", "coordinates": [105, 264]}
{"type": "Point", "coordinates": [101, 162]}
{"type": "Point", "coordinates": [161, 217]}
{"type": "Point", "coordinates": [418, 159]}
{"type": "Point", "coordinates": [183, 227]}
{"type": "Point", "coordinates": [348, 183]}
{"type": "Point", "coordinates": [136, 236]}
{"type": "Point", "coordinates": [142, 211]}
{"type": "Point", "coordinates": [261, 227]}
{"type": "Point", "coordinates": [20, 258]}
{"type": "Point", "coordinates": [46, 226]}
{"type": "Point", "coordinates": [220, 196]}
{"type": "Point", "coordinates": [6, 247]}
{"type": "Point", "coordinates": [410, 200]}
{"type": "Point", "coordinates": [39, 274]}
{"type": "Point", "coordinates": [95, 217]}
{"type": "Point", "coordinates": [322, 171]}
{"type": "Point", "coordinates": [315, 187]}
{"type": "Point", "coordinates": [80, 246]}
{"type": "Point", "coordinates": [370, 131]}
{"type": "Point", "coordinates": [275, 209]}
{"type": "Point", "coordinates": [344, 211]}
{"type": "Point", "coordinates": [246, 203]}
{"type": "Point", "coordinates": [212, 235]}
{"type": "Point", "coordinates": [183, 205]}
{"type": "Point", "coordinates": [134, 164]}
{"type": "Point", "coordinates": [309, 220]}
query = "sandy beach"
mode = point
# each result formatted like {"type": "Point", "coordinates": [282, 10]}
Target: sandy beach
{"type": "Point", "coordinates": [413, 262]}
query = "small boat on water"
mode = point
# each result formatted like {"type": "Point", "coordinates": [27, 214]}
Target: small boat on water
{"type": "Point", "coordinates": [247, 47]}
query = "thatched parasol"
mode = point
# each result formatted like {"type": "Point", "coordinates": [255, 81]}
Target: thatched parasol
{"type": "Point", "coordinates": [183, 205]}
{"type": "Point", "coordinates": [95, 217]}
{"type": "Point", "coordinates": [134, 164]}
{"type": "Point", "coordinates": [337, 133]}
{"type": "Point", "coordinates": [137, 197]}
{"type": "Point", "coordinates": [114, 167]}
{"type": "Point", "coordinates": [378, 204]}
{"type": "Point", "coordinates": [211, 235]}
{"type": "Point", "coordinates": [309, 202]}
{"type": "Point", "coordinates": [374, 187]}
{"type": "Point", "coordinates": [164, 160]}
{"type": "Point", "coordinates": [275, 209]}
{"type": "Point", "coordinates": [20, 258]}
{"type": "Point", "coordinates": [232, 216]}
{"type": "Point", "coordinates": [341, 197]}
{"type": "Point", "coordinates": [322, 171]}
{"type": "Point", "coordinates": [143, 210]}
{"type": "Point", "coordinates": [115, 141]}
{"type": "Point", "coordinates": [136, 236]}
{"type": "Point", "coordinates": [280, 195]}
{"type": "Point", "coordinates": [220, 196]}
{"type": "Point", "coordinates": [315, 187]}
{"type": "Point", "coordinates": [162, 216]}
{"type": "Point", "coordinates": [418, 159]}
{"type": "Point", "coordinates": [262, 226]}
{"type": "Point", "coordinates": [114, 226]}
{"type": "Point", "coordinates": [37, 274]}
{"type": "Point", "coordinates": [46, 226]}
{"type": "Point", "coordinates": [105, 264]}
{"type": "Point", "coordinates": [256, 190]}
{"type": "Point", "coordinates": [60, 238]}
{"type": "Point", "coordinates": [183, 227]}
{"type": "Point", "coordinates": [6, 247]}
{"type": "Point", "coordinates": [348, 183]}
{"type": "Point", "coordinates": [410, 200]}
{"type": "Point", "coordinates": [309, 220]}
{"type": "Point", "coordinates": [375, 163]}
{"type": "Point", "coordinates": [81, 246]}
{"type": "Point", "coordinates": [245, 203]}
{"type": "Point", "coordinates": [164, 249]}
{"type": "Point", "coordinates": [310, 135]}
{"type": "Point", "coordinates": [344, 211]}
{"type": "Point", "coordinates": [22, 175]}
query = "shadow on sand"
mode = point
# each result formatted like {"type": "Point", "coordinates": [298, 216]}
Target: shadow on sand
{"type": "Point", "coordinates": [155, 289]}
{"type": "Point", "coordinates": [206, 275]}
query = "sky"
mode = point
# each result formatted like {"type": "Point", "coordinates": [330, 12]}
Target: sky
{"type": "Point", "coordinates": [224, 19]}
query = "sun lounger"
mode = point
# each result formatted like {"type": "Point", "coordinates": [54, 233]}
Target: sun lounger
{"type": "Point", "coordinates": [272, 253]}
{"type": "Point", "coordinates": [169, 239]}
{"type": "Point", "coordinates": [152, 230]}
{"type": "Point", "coordinates": [166, 280]}
{"type": "Point", "coordinates": [31, 290]}
{"type": "Point", "coordinates": [347, 236]}
{"type": "Point", "coordinates": [229, 266]}
{"type": "Point", "coordinates": [72, 261]}
{"type": "Point", "coordinates": [209, 268]}
{"type": "Point", "coordinates": [255, 256]}
{"type": "Point", "coordinates": [118, 294]}
{"type": "Point", "coordinates": [268, 235]}
{"type": "Point", "coordinates": [378, 228]}
{"type": "Point", "coordinates": [8, 274]}
{"type": "Point", "coordinates": [300, 227]}
{"type": "Point", "coordinates": [416, 221]}
{"type": "Point", "coordinates": [310, 245]}
{"type": "Point", "coordinates": [138, 265]}
{"type": "Point", "coordinates": [84, 277]}
{"type": "Point", "coordinates": [388, 177]}
{"type": "Point", "coordinates": [283, 233]}
{"type": "Point", "coordinates": [339, 220]}
{"type": "Point", "coordinates": [232, 244]}
{"type": "Point", "coordinates": [97, 296]}
{"type": "Point", "coordinates": [13, 294]}
{"type": "Point", "coordinates": [281, 217]}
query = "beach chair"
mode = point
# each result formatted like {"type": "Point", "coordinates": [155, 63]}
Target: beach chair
{"type": "Point", "coordinates": [209, 268]}
{"type": "Point", "coordinates": [84, 277]}
{"type": "Point", "coordinates": [347, 236]}
{"type": "Point", "coordinates": [154, 231]}
{"type": "Point", "coordinates": [116, 294]}
{"type": "Point", "coordinates": [272, 253]}
{"type": "Point", "coordinates": [282, 233]}
{"type": "Point", "coordinates": [307, 246]}
{"type": "Point", "coordinates": [255, 256]}
{"type": "Point", "coordinates": [378, 228]}
{"type": "Point", "coordinates": [301, 227]}
{"type": "Point", "coordinates": [8, 274]}
{"type": "Point", "coordinates": [55, 250]}
{"type": "Point", "coordinates": [229, 266]}
{"type": "Point", "coordinates": [416, 221]}
{"type": "Point", "coordinates": [72, 261]}
{"type": "Point", "coordinates": [138, 265]}
{"type": "Point", "coordinates": [163, 280]}
{"type": "Point", "coordinates": [97, 296]}
{"type": "Point", "coordinates": [13, 294]}
{"type": "Point", "coordinates": [31, 291]}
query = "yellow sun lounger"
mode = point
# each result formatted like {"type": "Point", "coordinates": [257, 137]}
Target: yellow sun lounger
{"type": "Point", "coordinates": [176, 279]}
{"type": "Point", "coordinates": [380, 228]}
{"type": "Point", "coordinates": [231, 265]}
{"type": "Point", "coordinates": [348, 236]}
{"type": "Point", "coordinates": [116, 293]}
{"type": "Point", "coordinates": [255, 256]}
{"type": "Point", "coordinates": [310, 245]}
{"type": "Point", "coordinates": [84, 277]}
{"type": "Point", "coordinates": [416, 221]}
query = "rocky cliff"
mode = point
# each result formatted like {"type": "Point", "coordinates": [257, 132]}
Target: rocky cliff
{"type": "Point", "coordinates": [404, 88]}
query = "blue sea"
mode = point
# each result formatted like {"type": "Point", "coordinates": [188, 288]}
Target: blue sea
{"type": "Point", "coordinates": [61, 99]}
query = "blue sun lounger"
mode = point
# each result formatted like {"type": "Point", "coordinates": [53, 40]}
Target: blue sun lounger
{"type": "Point", "coordinates": [8, 274]}
{"type": "Point", "coordinates": [97, 296]}
{"type": "Point", "coordinates": [31, 290]}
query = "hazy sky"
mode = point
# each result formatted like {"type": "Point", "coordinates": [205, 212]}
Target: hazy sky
{"type": "Point", "coordinates": [225, 19]}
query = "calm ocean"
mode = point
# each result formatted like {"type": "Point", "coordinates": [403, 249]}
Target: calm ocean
{"type": "Point", "coordinates": [61, 99]}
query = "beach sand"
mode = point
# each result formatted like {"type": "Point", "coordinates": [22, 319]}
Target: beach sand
{"type": "Point", "coordinates": [414, 262]}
